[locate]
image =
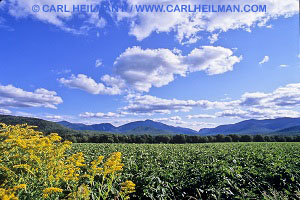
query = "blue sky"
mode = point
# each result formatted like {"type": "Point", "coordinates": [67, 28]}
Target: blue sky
{"type": "Point", "coordinates": [181, 69]}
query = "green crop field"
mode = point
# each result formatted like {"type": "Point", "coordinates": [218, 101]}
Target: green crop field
{"type": "Point", "coordinates": [34, 166]}
{"type": "Point", "coordinates": [207, 171]}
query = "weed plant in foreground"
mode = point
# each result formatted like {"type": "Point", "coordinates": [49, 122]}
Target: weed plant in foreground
{"type": "Point", "coordinates": [34, 166]}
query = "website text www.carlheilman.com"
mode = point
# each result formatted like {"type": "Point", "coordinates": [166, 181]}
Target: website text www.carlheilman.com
{"type": "Point", "coordinates": [151, 8]}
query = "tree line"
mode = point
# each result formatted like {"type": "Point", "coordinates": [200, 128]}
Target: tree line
{"type": "Point", "coordinates": [176, 139]}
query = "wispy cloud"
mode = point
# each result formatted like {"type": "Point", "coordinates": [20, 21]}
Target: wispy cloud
{"type": "Point", "coordinates": [100, 115]}
{"type": "Point", "coordinates": [201, 116]}
{"type": "Point", "coordinates": [264, 60]}
{"type": "Point", "coordinates": [98, 63]}
{"type": "Point", "coordinates": [5, 111]}
{"type": "Point", "coordinates": [279, 103]}
{"type": "Point", "coordinates": [283, 66]}
{"type": "Point", "coordinates": [54, 117]}
{"type": "Point", "coordinates": [151, 104]}
{"type": "Point", "coordinates": [59, 72]}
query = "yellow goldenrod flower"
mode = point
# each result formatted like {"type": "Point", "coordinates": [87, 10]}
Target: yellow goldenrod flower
{"type": "Point", "coordinates": [48, 191]}
{"type": "Point", "coordinates": [128, 186]}
{"type": "Point", "coordinates": [29, 157]}
{"type": "Point", "coordinates": [21, 186]}
{"type": "Point", "coordinates": [113, 164]}
{"type": "Point", "coordinates": [7, 195]}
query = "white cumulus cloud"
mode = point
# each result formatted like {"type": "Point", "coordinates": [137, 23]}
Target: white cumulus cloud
{"type": "Point", "coordinates": [139, 69]}
{"type": "Point", "coordinates": [187, 26]}
{"type": "Point", "coordinates": [88, 84]}
{"type": "Point", "coordinates": [11, 96]}
{"type": "Point", "coordinates": [142, 69]}
{"type": "Point", "coordinates": [285, 96]}
{"type": "Point", "coordinates": [88, 20]}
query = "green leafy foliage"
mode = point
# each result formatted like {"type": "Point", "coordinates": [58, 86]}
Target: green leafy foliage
{"type": "Point", "coordinates": [208, 171]}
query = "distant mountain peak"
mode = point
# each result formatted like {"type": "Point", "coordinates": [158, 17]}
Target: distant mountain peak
{"type": "Point", "coordinates": [254, 126]}
{"type": "Point", "coordinates": [149, 120]}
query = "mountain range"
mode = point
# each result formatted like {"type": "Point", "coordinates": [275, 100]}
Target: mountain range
{"type": "Point", "coordinates": [268, 126]}
{"type": "Point", "coordinates": [137, 127]}
{"type": "Point", "coordinates": [279, 126]}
